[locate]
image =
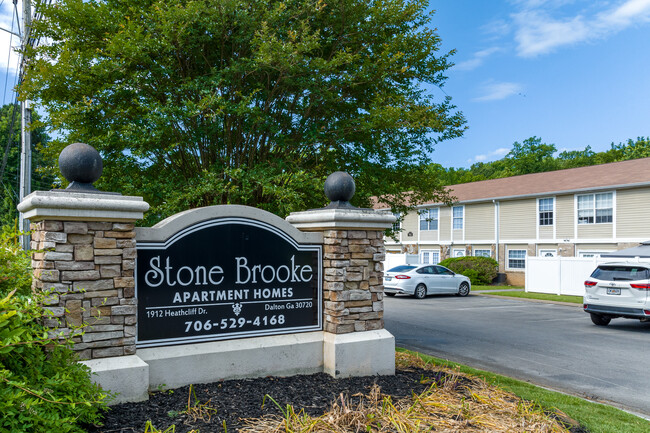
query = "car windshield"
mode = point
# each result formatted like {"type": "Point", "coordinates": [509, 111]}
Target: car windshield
{"type": "Point", "coordinates": [621, 273]}
{"type": "Point", "coordinates": [403, 268]}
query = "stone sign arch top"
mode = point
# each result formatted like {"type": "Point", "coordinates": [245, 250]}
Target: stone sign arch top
{"type": "Point", "coordinates": [226, 272]}
{"type": "Point", "coordinates": [171, 226]}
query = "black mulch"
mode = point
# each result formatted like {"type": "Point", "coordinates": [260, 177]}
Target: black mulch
{"type": "Point", "coordinates": [235, 400]}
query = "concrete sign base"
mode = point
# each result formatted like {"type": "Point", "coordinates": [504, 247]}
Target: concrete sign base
{"type": "Point", "coordinates": [355, 354]}
{"type": "Point", "coordinates": [359, 353]}
{"type": "Point", "coordinates": [126, 376]}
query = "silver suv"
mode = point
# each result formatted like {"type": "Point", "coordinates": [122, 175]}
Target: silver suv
{"type": "Point", "coordinates": [618, 290]}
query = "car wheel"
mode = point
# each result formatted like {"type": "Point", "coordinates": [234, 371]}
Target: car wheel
{"type": "Point", "coordinates": [391, 294]}
{"type": "Point", "coordinates": [420, 291]}
{"type": "Point", "coordinates": [600, 320]}
{"type": "Point", "coordinates": [463, 289]}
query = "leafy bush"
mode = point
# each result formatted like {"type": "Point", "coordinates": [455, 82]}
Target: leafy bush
{"type": "Point", "coordinates": [15, 264]}
{"type": "Point", "coordinates": [42, 386]}
{"type": "Point", "coordinates": [480, 270]}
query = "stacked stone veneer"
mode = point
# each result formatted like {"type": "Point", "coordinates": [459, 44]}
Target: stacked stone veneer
{"type": "Point", "coordinates": [89, 266]}
{"type": "Point", "coordinates": [353, 280]}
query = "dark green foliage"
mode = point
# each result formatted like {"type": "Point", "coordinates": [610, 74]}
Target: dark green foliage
{"type": "Point", "coordinates": [15, 269]}
{"type": "Point", "coordinates": [42, 387]}
{"type": "Point", "coordinates": [202, 102]}
{"type": "Point", "coordinates": [480, 270]}
{"type": "Point", "coordinates": [42, 177]}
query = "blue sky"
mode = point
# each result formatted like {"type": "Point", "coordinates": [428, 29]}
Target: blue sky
{"type": "Point", "coordinates": [573, 72]}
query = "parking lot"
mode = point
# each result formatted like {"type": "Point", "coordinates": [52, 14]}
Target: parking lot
{"type": "Point", "coordinates": [551, 345]}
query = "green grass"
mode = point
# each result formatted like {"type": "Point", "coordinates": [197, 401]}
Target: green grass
{"type": "Point", "coordinates": [541, 296]}
{"type": "Point", "coordinates": [597, 418]}
{"type": "Point", "coordinates": [478, 288]}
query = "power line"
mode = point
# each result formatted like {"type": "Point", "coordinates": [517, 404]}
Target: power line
{"type": "Point", "coordinates": [11, 39]}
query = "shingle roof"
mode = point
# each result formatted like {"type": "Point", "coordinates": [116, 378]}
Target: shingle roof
{"type": "Point", "coordinates": [615, 174]}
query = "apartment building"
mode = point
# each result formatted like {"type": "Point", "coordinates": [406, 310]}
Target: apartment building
{"type": "Point", "coordinates": [575, 212]}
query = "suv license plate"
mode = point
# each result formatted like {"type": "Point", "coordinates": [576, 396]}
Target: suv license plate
{"type": "Point", "coordinates": [613, 291]}
{"type": "Point", "coordinates": [388, 278]}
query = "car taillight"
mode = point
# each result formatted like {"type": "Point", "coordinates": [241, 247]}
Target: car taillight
{"type": "Point", "coordinates": [584, 306]}
{"type": "Point", "coordinates": [402, 277]}
{"type": "Point", "coordinates": [590, 283]}
{"type": "Point", "coordinates": [646, 312]}
{"type": "Point", "coordinates": [640, 286]}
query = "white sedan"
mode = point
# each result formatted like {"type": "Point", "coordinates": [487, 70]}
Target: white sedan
{"type": "Point", "coordinates": [423, 280]}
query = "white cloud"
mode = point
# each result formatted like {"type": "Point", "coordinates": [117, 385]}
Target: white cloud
{"type": "Point", "coordinates": [496, 29]}
{"type": "Point", "coordinates": [492, 91]}
{"type": "Point", "coordinates": [495, 154]}
{"type": "Point", "coordinates": [540, 30]}
{"type": "Point", "coordinates": [477, 59]}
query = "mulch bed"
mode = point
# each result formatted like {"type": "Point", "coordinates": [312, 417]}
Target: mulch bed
{"type": "Point", "coordinates": [235, 400]}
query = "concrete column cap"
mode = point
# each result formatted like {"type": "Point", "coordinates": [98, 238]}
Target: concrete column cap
{"type": "Point", "coordinates": [74, 206]}
{"type": "Point", "coordinates": [354, 219]}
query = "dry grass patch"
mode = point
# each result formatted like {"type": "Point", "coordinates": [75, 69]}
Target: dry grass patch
{"type": "Point", "coordinates": [455, 402]}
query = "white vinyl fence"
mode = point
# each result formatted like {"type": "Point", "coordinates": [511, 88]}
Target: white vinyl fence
{"type": "Point", "coordinates": [393, 260]}
{"type": "Point", "coordinates": [562, 275]}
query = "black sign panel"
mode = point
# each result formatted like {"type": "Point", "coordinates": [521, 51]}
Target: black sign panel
{"type": "Point", "coordinates": [226, 278]}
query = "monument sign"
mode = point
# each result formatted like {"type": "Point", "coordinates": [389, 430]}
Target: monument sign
{"type": "Point", "coordinates": [226, 278]}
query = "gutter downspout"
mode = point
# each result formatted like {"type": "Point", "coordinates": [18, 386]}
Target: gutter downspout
{"type": "Point", "coordinates": [496, 229]}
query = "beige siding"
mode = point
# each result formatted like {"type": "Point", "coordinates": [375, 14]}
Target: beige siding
{"type": "Point", "coordinates": [410, 224]}
{"type": "Point", "coordinates": [457, 235]}
{"type": "Point", "coordinates": [518, 219]}
{"type": "Point", "coordinates": [595, 231]}
{"type": "Point", "coordinates": [546, 232]}
{"type": "Point", "coordinates": [564, 222]}
{"type": "Point", "coordinates": [444, 223]}
{"type": "Point", "coordinates": [596, 247]}
{"type": "Point", "coordinates": [479, 221]}
{"type": "Point", "coordinates": [428, 235]}
{"type": "Point", "coordinates": [632, 221]}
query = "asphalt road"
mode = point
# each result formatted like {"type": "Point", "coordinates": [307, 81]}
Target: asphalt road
{"type": "Point", "coordinates": [555, 346]}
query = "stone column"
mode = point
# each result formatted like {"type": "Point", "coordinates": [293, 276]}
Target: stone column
{"type": "Point", "coordinates": [87, 259]}
{"type": "Point", "coordinates": [355, 342]}
{"type": "Point", "coordinates": [89, 266]}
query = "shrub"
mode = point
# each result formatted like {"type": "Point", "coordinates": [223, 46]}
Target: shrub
{"type": "Point", "coordinates": [15, 264]}
{"type": "Point", "coordinates": [42, 386]}
{"type": "Point", "coordinates": [480, 270]}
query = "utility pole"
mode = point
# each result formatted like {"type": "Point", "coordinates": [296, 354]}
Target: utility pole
{"type": "Point", "coordinates": [26, 118]}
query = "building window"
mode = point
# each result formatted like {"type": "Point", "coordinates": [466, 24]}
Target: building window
{"type": "Point", "coordinates": [459, 252]}
{"type": "Point", "coordinates": [516, 259]}
{"type": "Point", "coordinates": [545, 211]}
{"type": "Point", "coordinates": [431, 257]}
{"type": "Point", "coordinates": [397, 225]}
{"type": "Point", "coordinates": [429, 219]}
{"type": "Point", "coordinates": [595, 208]}
{"type": "Point", "coordinates": [482, 253]}
{"type": "Point", "coordinates": [457, 213]}
{"type": "Point", "coordinates": [548, 253]}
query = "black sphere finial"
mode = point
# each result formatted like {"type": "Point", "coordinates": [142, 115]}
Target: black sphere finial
{"type": "Point", "coordinates": [81, 165]}
{"type": "Point", "coordinates": [339, 188]}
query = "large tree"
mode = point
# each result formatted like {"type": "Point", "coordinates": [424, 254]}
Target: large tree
{"type": "Point", "coordinates": [200, 102]}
